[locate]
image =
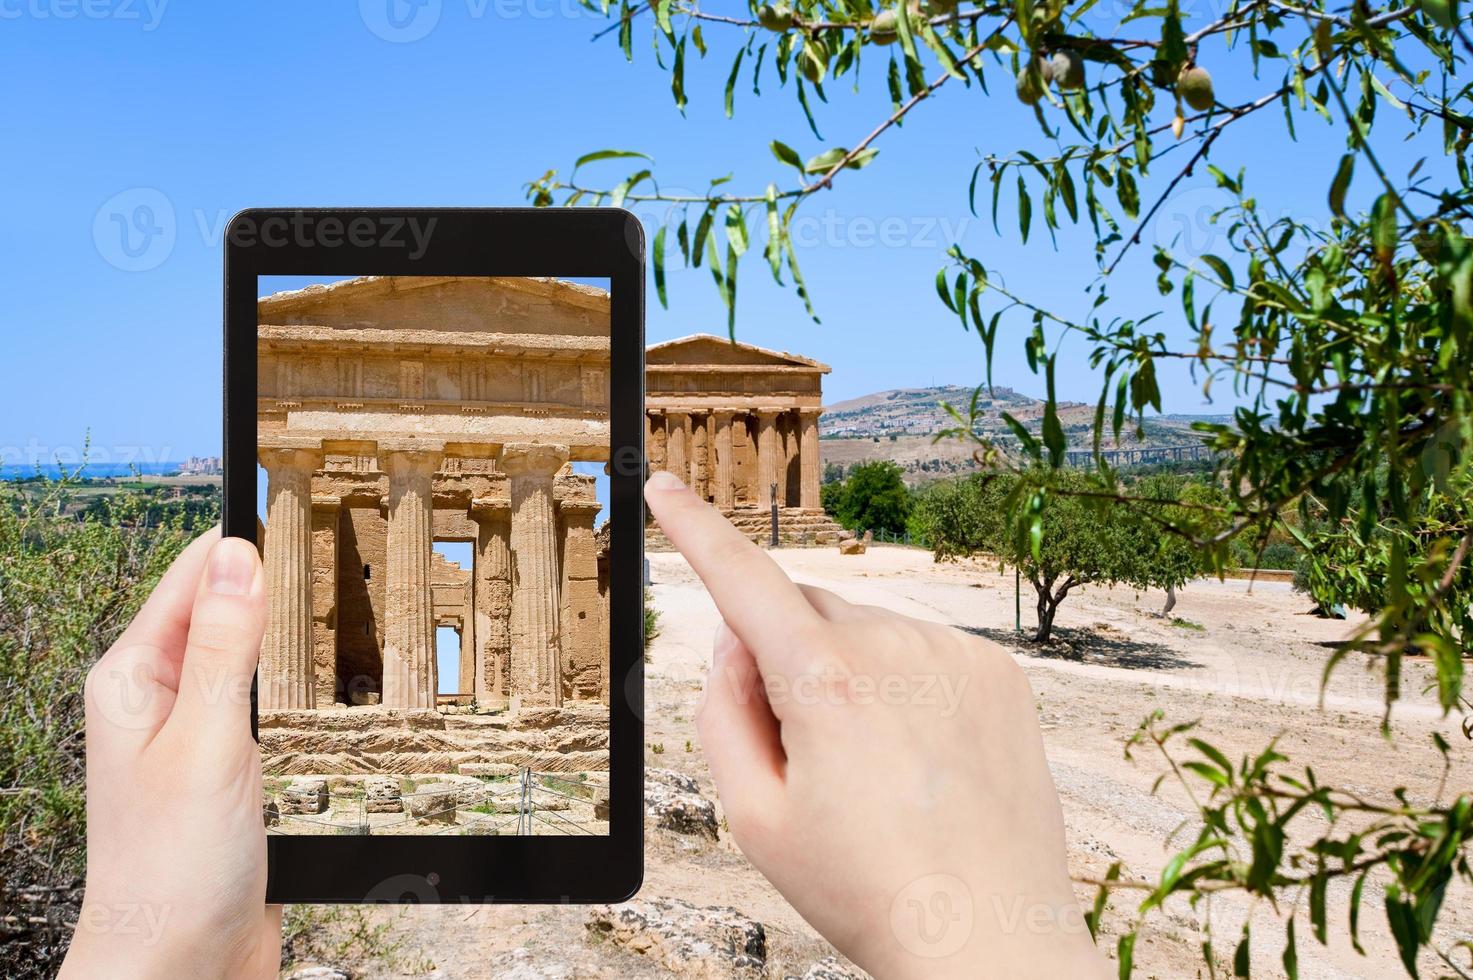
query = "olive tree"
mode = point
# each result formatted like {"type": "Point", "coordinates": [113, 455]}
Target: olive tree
{"type": "Point", "coordinates": [1078, 541]}
{"type": "Point", "coordinates": [1349, 345]}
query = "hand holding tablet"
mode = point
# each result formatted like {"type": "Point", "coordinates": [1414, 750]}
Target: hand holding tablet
{"type": "Point", "coordinates": [886, 774]}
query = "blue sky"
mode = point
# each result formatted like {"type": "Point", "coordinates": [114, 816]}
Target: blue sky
{"type": "Point", "coordinates": [197, 110]}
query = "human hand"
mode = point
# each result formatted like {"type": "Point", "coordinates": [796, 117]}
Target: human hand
{"type": "Point", "coordinates": [176, 847]}
{"type": "Point", "coordinates": [886, 774]}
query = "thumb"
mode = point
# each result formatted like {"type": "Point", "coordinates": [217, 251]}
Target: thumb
{"type": "Point", "coordinates": [225, 629]}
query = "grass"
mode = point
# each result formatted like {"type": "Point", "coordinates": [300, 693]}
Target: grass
{"type": "Point", "coordinates": [348, 937]}
{"type": "Point", "coordinates": [71, 577]}
{"type": "Point", "coordinates": [1187, 624]}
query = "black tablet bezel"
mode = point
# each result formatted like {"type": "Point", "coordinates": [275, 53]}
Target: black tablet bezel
{"type": "Point", "coordinates": [593, 242]}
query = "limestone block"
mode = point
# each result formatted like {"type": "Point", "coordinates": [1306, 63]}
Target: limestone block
{"type": "Point", "coordinates": [488, 769]}
{"type": "Point", "coordinates": [433, 803]}
{"type": "Point", "coordinates": [673, 801]}
{"type": "Point", "coordinates": [832, 968]}
{"type": "Point", "coordinates": [851, 546]}
{"type": "Point", "coordinates": [381, 795]}
{"type": "Point", "coordinates": [366, 698]}
{"type": "Point", "coordinates": [684, 939]}
{"type": "Point", "coordinates": [305, 795]}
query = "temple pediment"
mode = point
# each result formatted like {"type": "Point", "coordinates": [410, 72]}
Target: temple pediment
{"type": "Point", "coordinates": [441, 305]}
{"type": "Point", "coordinates": [708, 350]}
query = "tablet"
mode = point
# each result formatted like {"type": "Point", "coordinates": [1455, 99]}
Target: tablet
{"type": "Point", "coordinates": [434, 431]}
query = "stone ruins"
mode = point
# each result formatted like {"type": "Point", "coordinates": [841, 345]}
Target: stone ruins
{"type": "Point", "coordinates": [739, 424]}
{"type": "Point", "coordinates": [397, 412]}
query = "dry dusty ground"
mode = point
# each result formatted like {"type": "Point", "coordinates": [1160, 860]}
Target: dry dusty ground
{"type": "Point", "coordinates": [1250, 672]}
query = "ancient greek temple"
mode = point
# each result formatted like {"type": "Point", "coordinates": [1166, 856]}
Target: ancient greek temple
{"type": "Point", "coordinates": [740, 424]}
{"type": "Point", "coordinates": [397, 412]}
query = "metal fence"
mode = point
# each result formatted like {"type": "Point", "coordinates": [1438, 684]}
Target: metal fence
{"type": "Point", "coordinates": [536, 805]}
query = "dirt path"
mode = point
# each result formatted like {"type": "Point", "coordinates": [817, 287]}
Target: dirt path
{"type": "Point", "coordinates": [1247, 663]}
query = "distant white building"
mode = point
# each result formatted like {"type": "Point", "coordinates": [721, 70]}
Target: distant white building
{"type": "Point", "coordinates": [201, 466]}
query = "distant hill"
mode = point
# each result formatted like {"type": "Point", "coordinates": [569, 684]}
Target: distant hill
{"type": "Point", "coordinates": [900, 425]}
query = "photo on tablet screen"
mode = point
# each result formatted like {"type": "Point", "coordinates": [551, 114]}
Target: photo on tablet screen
{"type": "Point", "coordinates": [432, 506]}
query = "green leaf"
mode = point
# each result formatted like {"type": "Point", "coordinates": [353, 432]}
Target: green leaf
{"type": "Point", "coordinates": [736, 229]}
{"type": "Point", "coordinates": [659, 261]}
{"type": "Point", "coordinates": [774, 248]}
{"type": "Point", "coordinates": [1291, 952]}
{"type": "Point", "coordinates": [1125, 954]}
{"type": "Point", "coordinates": [731, 80]}
{"type": "Point", "coordinates": [703, 231]}
{"type": "Point", "coordinates": [1339, 185]}
{"type": "Point", "coordinates": [1025, 209]}
{"type": "Point", "coordinates": [1383, 227]}
{"type": "Point", "coordinates": [786, 154]}
{"type": "Point", "coordinates": [606, 155]}
{"type": "Point", "coordinates": [826, 160]}
{"type": "Point", "coordinates": [677, 77]}
{"type": "Point", "coordinates": [1219, 268]}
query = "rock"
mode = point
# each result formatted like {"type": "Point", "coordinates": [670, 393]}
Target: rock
{"type": "Point", "coordinates": [675, 780]}
{"type": "Point", "coordinates": [270, 813]}
{"type": "Point", "coordinates": [365, 698]}
{"type": "Point", "coordinates": [687, 940]}
{"type": "Point", "coordinates": [433, 803]}
{"type": "Point", "coordinates": [305, 795]}
{"type": "Point", "coordinates": [381, 795]}
{"type": "Point", "coordinates": [316, 973]}
{"type": "Point", "coordinates": [601, 803]}
{"type": "Point", "coordinates": [488, 769]}
{"type": "Point", "coordinates": [869, 538]}
{"type": "Point", "coordinates": [832, 968]}
{"type": "Point", "coordinates": [845, 534]}
{"type": "Point", "coordinates": [674, 801]}
{"type": "Point", "coordinates": [850, 546]}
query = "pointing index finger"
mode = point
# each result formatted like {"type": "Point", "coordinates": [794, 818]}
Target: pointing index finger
{"type": "Point", "coordinates": [763, 607]}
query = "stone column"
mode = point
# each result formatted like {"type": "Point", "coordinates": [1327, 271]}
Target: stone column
{"type": "Point", "coordinates": [582, 624]}
{"type": "Point", "coordinates": [654, 442]}
{"type": "Point", "coordinates": [677, 442]}
{"type": "Point", "coordinates": [810, 461]}
{"type": "Point", "coordinates": [698, 451]}
{"type": "Point", "coordinates": [789, 428]}
{"type": "Point", "coordinates": [325, 512]}
{"type": "Point", "coordinates": [284, 678]}
{"type": "Point", "coordinates": [722, 487]}
{"type": "Point", "coordinates": [493, 596]}
{"type": "Point", "coordinates": [411, 677]}
{"type": "Point", "coordinates": [536, 660]}
{"type": "Point", "coordinates": [768, 455]}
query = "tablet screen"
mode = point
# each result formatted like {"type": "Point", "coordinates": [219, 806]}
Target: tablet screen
{"type": "Point", "coordinates": [432, 503]}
